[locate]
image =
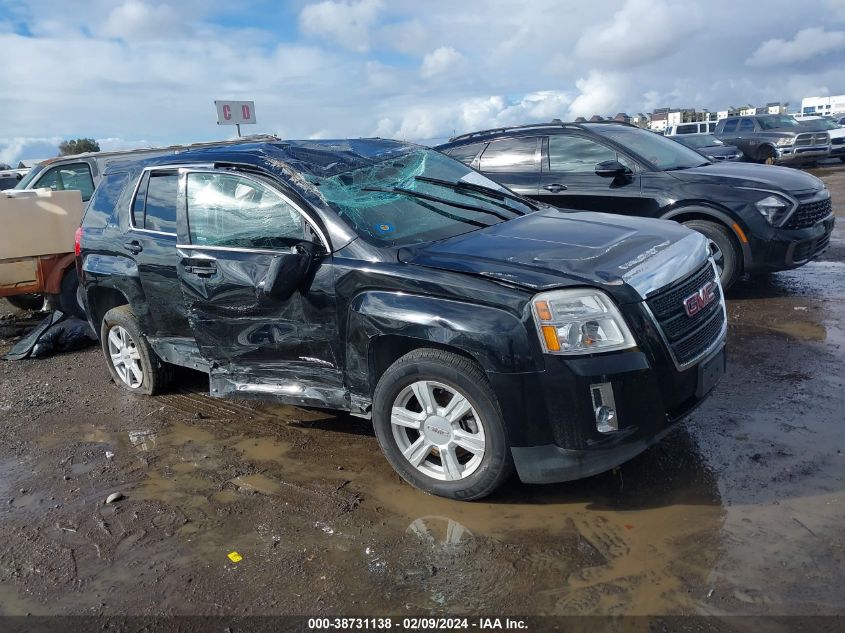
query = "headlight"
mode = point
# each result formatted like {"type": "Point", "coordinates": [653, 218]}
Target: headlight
{"type": "Point", "coordinates": [785, 141]}
{"type": "Point", "coordinates": [773, 208]}
{"type": "Point", "coordinates": [579, 321]}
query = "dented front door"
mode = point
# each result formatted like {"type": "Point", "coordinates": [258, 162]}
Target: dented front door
{"type": "Point", "coordinates": [233, 228]}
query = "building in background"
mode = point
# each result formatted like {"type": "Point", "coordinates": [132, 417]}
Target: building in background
{"type": "Point", "coordinates": [823, 105]}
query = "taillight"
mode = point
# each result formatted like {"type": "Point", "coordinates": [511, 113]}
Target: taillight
{"type": "Point", "coordinates": [77, 241]}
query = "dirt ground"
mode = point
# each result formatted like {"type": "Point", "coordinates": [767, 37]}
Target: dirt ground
{"type": "Point", "coordinates": [739, 512]}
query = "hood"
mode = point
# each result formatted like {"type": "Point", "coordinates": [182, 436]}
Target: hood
{"type": "Point", "coordinates": [751, 175]}
{"type": "Point", "coordinates": [553, 248]}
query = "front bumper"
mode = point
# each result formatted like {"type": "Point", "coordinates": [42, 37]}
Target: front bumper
{"type": "Point", "coordinates": [552, 421]}
{"type": "Point", "coordinates": [789, 248]}
{"type": "Point", "coordinates": [789, 154]}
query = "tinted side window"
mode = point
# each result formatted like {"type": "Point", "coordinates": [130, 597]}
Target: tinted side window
{"type": "Point", "coordinates": [746, 125]}
{"type": "Point", "coordinates": [105, 199]}
{"type": "Point", "coordinates": [513, 154]}
{"type": "Point", "coordinates": [466, 153]}
{"type": "Point", "coordinates": [730, 126]}
{"type": "Point", "coordinates": [160, 203]}
{"type": "Point", "coordinates": [688, 129]}
{"type": "Point", "coordinates": [576, 154]}
{"type": "Point", "coordinates": [75, 177]}
{"type": "Point", "coordinates": [229, 210]}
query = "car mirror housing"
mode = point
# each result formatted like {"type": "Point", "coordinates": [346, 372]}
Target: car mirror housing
{"type": "Point", "coordinates": [287, 271]}
{"type": "Point", "coordinates": [611, 169]}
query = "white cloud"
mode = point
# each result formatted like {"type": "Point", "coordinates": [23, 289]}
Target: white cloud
{"type": "Point", "coordinates": [601, 93]}
{"type": "Point", "coordinates": [445, 118]}
{"type": "Point", "coordinates": [807, 43]}
{"type": "Point", "coordinates": [408, 37]}
{"type": "Point", "coordinates": [442, 61]}
{"type": "Point", "coordinates": [346, 24]}
{"type": "Point", "coordinates": [135, 20]}
{"type": "Point", "coordinates": [641, 31]}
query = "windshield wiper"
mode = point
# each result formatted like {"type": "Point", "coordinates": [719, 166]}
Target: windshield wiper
{"type": "Point", "coordinates": [471, 186]}
{"type": "Point", "coordinates": [425, 196]}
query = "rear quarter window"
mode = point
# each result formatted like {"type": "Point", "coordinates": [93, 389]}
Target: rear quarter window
{"type": "Point", "coordinates": [101, 208]}
{"type": "Point", "coordinates": [730, 126]}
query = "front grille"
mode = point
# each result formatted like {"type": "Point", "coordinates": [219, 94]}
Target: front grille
{"type": "Point", "coordinates": [808, 214]}
{"type": "Point", "coordinates": [810, 139]}
{"type": "Point", "coordinates": [688, 336]}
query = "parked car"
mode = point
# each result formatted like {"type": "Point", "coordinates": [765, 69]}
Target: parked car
{"type": "Point", "coordinates": [696, 127]}
{"type": "Point", "coordinates": [774, 139]}
{"type": "Point", "coordinates": [834, 130]}
{"type": "Point", "coordinates": [479, 330]}
{"type": "Point", "coordinates": [759, 219]}
{"type": "Point", "coordinates": [709, 146]}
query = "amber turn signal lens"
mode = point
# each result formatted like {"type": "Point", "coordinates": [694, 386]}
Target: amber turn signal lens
{"type": "Point", "coordinates": [550, 335]}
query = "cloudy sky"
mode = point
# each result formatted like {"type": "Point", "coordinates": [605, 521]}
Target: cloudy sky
{"type": "Point", "coordinates": [139, 72]}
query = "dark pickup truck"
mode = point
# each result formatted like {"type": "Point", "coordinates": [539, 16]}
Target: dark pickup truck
{"type": "Point", "coordinates": [479, 330]}
{"type": "Point", "coordinates": [775, 139]}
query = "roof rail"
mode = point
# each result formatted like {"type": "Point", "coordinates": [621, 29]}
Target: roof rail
{"type": "Point", "coordinates": [552, 123]}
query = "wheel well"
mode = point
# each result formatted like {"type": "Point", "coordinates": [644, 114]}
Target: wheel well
{"type": "Point", "coordinates": [386, 350]}
{"type": "Point", "coordinates": [764, 149]}
{"type": "Point", "coordinates": [694, 214]}
{"type": "Point", "coordinates": [101, 300]}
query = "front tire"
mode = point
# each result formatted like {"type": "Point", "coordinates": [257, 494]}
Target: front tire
{"type": "Point", "coordinates": [767, 155]}
{"type": "Point", "coordinates": [131, 361]}
{"type": "Point", "coordinates": [438, 422]}
{"type": "Point", "coordinates": [726, 251]}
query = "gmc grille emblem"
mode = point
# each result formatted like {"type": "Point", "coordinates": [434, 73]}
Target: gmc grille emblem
{"type": "Point", "coordinates": [696, 302]}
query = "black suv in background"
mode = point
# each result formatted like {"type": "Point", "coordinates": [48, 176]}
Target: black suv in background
{"type": "Point", "coordinates": [759, 219]}
{"type": "Point", "coordinates": [774, 139]}
{"type": "Point", "coordinates": [479, 330]}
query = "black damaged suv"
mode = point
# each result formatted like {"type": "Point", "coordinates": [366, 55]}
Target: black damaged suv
{"type": "Point", "coordinates": [479, 330]}
{"type": "Point", "coordinates": [758, 218]}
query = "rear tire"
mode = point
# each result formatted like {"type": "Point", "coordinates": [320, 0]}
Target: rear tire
{"type": "Point", "coordinates": [728, 255]}
{"type": "Point", "coordinates": [438, 422]}
{"type": "Point", "coordinates": [69, 294]}
{"type": "Point", "coordinates": [131, 361]}
{"type": "Point", "coordinates": [27, 302]}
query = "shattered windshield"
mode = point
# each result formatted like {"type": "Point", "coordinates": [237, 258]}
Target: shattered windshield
{"type": "Point", "coordinates": [419, 196]}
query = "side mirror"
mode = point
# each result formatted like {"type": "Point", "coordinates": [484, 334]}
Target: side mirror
{"type": "Point", "coordinates": [611, 169]}
{"type": "Point", "coordinates": [287, 272]}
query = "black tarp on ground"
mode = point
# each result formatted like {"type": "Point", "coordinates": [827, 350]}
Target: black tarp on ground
{"type": "Point", "coordinates": [56, 333]}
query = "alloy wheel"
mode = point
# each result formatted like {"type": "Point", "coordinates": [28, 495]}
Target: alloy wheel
{"type": "Point", "coordinates": [438, 431]}
{"type": "Point", "coordinates": [125, 357]}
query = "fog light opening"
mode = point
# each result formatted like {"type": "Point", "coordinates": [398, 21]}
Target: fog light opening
{"type": "Point", "coordinates": [604, 407]}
